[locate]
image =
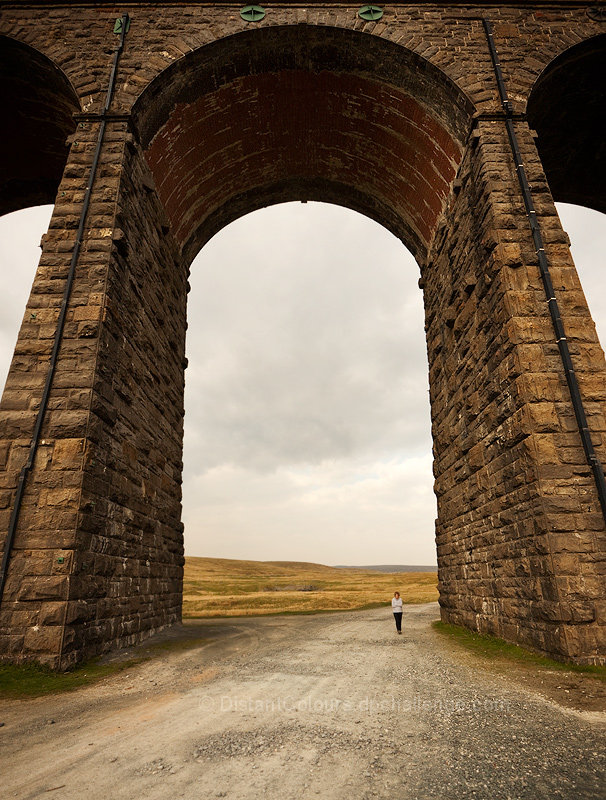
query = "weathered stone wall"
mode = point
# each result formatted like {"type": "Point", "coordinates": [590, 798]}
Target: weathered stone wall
{"type": "Point", "coordinates": [98, 555]}
{"type": "Point", "coordinates": [448, 35]}
{"type": "Point", "coordinates": [35, 607]}
{"type": "Point", "coordinates": [520, 533]}
{"type": "Point", "coordinates": [130, 533]}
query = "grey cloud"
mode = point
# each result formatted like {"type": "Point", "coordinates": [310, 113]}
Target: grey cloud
{"type": "Point", "coordinates": [342, 511]}
{"type": "Point", "coordinates": [306, 346]}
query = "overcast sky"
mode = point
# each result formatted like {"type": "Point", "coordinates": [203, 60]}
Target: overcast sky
{"type": "Point", "coordinates": [307, 418]}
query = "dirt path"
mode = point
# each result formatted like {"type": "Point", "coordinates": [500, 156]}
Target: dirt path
{"type": "Point", "coordinates": [333, 706]}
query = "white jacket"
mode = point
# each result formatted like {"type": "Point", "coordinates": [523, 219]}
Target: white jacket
{"type": "Point", "coordinates": [396, 605]}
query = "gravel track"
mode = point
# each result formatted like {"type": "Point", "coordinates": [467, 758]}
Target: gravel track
{"type": "Point", "coordinates": [334, 706]}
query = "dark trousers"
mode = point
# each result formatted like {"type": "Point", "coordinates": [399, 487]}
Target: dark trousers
{"type": "Point", "coordinates": [398, 619]}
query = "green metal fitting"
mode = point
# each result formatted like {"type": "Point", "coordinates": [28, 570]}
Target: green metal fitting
{"type": "Point", "coordinates": [370, 13]}
{"type": "Point", "coordinates": [118, 25]}
{"type": "Point", "coordinates": [252, 13]}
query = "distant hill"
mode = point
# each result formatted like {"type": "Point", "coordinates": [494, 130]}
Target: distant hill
{"type": "Point", "coordinates": [224, 567]}
{"type": "Point", "coordinates": [392, 567]}
{"type": "Point", "coordinates": [232, 566]}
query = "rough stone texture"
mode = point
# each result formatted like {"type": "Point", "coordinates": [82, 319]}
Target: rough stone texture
{"type": "Point", "coordinates": [213, 117]}
{"type": "Point", "coordinates": [520, 533]}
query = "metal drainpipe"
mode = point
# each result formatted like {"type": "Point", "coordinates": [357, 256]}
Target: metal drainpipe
{"type": "Point", "coordinates": [8, 544]}
{"type": "Point", "coordinates": [558, 325]}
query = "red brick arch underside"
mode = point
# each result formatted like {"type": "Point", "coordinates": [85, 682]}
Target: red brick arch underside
{"type": "Point", "coordinates": [303, 113]}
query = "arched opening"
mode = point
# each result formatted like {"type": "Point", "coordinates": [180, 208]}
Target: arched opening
{"type": "Point", "coordinates": [262, 118]}
{"type": "Point", "coordinates": [39, 104]}
{"type": "Point", "coordinates": [307, 426]}
{"type": "Point", "coordinates": [566, 108]}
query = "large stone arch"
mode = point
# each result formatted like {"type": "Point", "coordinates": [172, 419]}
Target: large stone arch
{"type": "Point", "coordinates": [39, 104]}
{"type": "Point", "coordinates": [566, 109]}
{"type": "Point", "coordinates": [278, 113]}
{"type": "Point", "coordinates": [379, 129]}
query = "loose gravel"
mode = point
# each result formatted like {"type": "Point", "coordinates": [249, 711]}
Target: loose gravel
{"type": "Point", "coordinates": [334, 706]}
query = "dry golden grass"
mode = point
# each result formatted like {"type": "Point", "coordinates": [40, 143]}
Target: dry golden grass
{"type": "Point", "coordinates": [223, 587]}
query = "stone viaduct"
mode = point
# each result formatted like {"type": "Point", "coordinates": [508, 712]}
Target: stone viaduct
{"type": "Point", "coordinates": [150, 126]}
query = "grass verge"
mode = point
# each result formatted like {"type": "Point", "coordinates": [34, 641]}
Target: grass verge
{"type": "Point", "coordinates": [24, 681]}
{"type": "Point", "coordinates": [494, 649]}
{"type": "Point", "coordinates": [19, 681]}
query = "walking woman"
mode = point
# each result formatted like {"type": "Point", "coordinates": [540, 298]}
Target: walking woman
{"type": "Point", "coordinates": [396, 607]}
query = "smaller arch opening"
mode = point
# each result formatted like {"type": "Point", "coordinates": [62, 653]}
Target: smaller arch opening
{"type": "Point", "coordinates": [566, 109]}
{"type": "Point", "coordinates": [38, 105]}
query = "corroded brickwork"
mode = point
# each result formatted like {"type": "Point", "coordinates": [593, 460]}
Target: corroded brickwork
{"type": "Point", "coordinates": [213, 117]}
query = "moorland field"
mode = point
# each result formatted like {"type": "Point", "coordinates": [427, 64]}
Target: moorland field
{"type": "Point", "coordinates": [216, 587]}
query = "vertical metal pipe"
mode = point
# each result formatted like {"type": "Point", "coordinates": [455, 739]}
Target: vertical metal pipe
{"type": "Point", "coordinates": [554, 311]}
{"type": "Point", "coordinates": [14, 518]}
